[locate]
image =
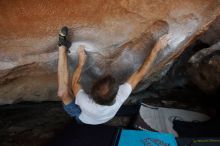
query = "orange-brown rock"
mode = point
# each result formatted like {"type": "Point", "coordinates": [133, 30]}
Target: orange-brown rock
{"type": "Point", "coordinates": [28, 37]}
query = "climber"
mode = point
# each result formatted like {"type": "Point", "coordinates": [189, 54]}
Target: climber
{"type": "Point", "coordinates": [106, 96]}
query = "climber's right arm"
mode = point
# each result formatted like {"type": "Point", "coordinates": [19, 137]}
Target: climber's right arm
{"type": "Point", "coordinates": [138, 75]}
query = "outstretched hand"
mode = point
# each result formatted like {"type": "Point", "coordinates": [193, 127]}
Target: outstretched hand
{"type": "Point", "coordinates": [137, 76]}
{"type": "Point", "coordinates": [163, 41]}
{"type": "Point", "coordinates": [82, 55]}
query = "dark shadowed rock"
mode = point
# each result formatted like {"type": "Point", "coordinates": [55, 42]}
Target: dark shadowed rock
{"type": "Point", "coordinates": [204, 69]}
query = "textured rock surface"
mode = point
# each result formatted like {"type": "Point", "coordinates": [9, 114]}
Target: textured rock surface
{"type": "Point", "coordinates": [212, 36]}
{"type": "Point", "coordinates": [193, 77]}
{"type": "Point", "coordinates": [204, 69]}
{"type": "Point", "coordinates": [28, 35]}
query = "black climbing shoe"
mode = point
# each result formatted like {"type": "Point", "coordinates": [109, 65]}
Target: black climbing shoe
{"type": "Point", "coordinates": [63, 38]}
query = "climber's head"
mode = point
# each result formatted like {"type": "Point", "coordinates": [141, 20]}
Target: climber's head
{"type": "Point", "coordinates": [104, 90]}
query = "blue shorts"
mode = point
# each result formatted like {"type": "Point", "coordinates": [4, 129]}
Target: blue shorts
{"type": "Point", "coordinates": [73, 110]}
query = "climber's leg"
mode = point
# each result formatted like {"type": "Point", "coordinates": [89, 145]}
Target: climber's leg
{"type": "Point", "coordinates": [63, 86]}
{"type": "Point", "coordinates": [63, 76]}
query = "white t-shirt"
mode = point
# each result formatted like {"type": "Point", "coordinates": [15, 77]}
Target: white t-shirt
{"type": "Point", "coordinates": [93, 113]}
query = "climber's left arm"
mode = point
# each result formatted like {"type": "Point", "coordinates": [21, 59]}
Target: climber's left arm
{"type": "Point", "coordinates": [76, 75]}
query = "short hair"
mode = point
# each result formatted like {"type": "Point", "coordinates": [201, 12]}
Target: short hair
{"type": "Point", "coordinates": [104, 90]}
